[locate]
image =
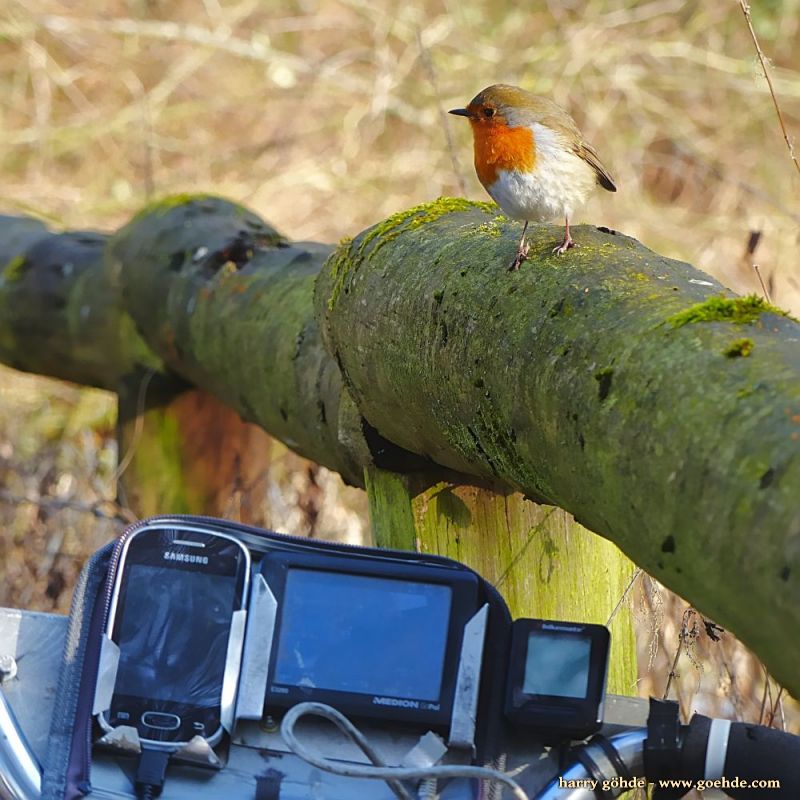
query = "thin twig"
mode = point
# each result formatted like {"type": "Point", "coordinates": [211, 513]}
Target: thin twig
{"type": "Point", "coordinates": [427, 63]}
{"type": "Point", "coordinates": [763, 59]}
{"type": "Point", "coordinates": [763, 285]}
{"type": "Point", "coordinates": [636, 573]}
{"type": "Point", "coordinates": [653, 601]}
{"type": "Point", "coordinates": [102, 509]}
{"type": "Point", "coordinates": [778, 704]}
{"type": "Point", "coordinates": [137, 428]}
{"type": "Point", "coordinates": [686, 635]}
{"type": "Point", "coordinates": [672, 669]}
{"type": "Point", "coordinates": [766, 693]}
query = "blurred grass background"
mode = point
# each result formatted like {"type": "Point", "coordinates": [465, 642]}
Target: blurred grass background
{"type": "Point", "coordinates": [327, 115]}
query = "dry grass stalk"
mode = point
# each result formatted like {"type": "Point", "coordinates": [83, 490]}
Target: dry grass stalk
{"type": "Point", "coordinates": [764, 65]}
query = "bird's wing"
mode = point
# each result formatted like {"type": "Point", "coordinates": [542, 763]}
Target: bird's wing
{"type": "Point", "coordinates": [588, 154]}
{"type": "Point", "coordinates": [554, 117]}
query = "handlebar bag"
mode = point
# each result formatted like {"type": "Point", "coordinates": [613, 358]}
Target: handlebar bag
{"type": "Point", "coordinates": [67, 770]}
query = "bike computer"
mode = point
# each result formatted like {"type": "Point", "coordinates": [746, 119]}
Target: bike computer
{"type": "Point", "coordinates": [371, 637]}
{"type": "Point", "coordinates": [557, 677]}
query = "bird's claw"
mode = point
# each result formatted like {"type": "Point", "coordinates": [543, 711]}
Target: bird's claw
{"type": "Point", "coordinates": [522, 255]}
{"type": "Point", "coordinates": [562, 248]}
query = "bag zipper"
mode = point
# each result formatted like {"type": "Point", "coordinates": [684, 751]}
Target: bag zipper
{"type": "Point", "coordinates": [302, 542]}
{"type": "Point", "coordinates": [78, 781]}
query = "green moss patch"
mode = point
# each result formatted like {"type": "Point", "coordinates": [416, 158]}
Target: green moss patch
{"type": "Point", "coordinates": [338, 264]}
{"type": "Point", "coordinates": [739, 348]}
{"type": "Point", "coordinates": [492, 228]}
{"type": "Point", "coordinates": [165, 204]}
{"type": "Point", "coordinates": [14, 269]}
{"type": "Point", "coordinates": [739, 310]}
{"type": "Point", "coordinates": [417, 216]}
{"type": "Point", "coordinates": [347, 258]}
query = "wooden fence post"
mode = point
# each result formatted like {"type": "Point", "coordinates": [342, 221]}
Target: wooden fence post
{"type": "Point", "coordinates": [187, 453]}
{"type": "Point", "coordinates": [543, 562]}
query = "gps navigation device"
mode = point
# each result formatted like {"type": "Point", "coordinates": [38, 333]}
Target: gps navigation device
{"type": "Point", "coordinates": [373, 638]}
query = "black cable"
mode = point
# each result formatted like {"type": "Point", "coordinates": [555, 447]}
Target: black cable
{"type": "Point", "coordinates": [565, 751]}
{"type": "Point", "coordinates": [150, 773]}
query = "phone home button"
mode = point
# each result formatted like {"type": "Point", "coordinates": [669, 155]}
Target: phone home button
{"type": "Point", "coordinates": [161, 721]}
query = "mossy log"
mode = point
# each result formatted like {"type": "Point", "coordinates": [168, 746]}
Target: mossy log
{"type": "Point", "coordinates": [611, 381]}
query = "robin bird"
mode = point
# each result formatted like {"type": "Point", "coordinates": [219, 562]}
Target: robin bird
{"type": "Point", "coordinates": [531, 158]}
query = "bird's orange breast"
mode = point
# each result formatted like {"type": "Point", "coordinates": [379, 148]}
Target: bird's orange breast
{"type": "Point", "coordinates": [498, 147]}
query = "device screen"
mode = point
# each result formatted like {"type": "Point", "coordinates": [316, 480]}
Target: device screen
{"type": "Point", "coordinates": [557, 664]}
{"type": "Point", "coordinates": [363, 634]}
{"type": "Point", "coordinates": [173, 634]}
{"type": "Point", "coordinates": [178, 591]}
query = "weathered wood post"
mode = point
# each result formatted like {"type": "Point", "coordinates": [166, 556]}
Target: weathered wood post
{"type": "Point", "coordinates": [543, 562]}
{"type": "Point", "coordinates": [185, 452]}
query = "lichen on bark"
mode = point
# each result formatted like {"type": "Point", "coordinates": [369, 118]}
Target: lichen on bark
{"type": "Point", "coordinates": [570, 382]}
{"type": "Point", "coordinates": [566, 381]}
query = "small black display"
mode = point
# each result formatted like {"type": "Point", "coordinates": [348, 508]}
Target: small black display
{"type": "Point", "coordinates": [557, 677]}
{"type": "Point", "coordinates": [557, 664]}
{"type": "Point", "coordinates": [372, 638]}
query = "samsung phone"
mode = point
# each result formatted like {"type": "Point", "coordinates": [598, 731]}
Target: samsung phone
{"type": "Point", "coordinates": [177, 619]}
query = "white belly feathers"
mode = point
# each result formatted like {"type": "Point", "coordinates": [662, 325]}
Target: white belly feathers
{"type": "Point", "coordinates": [561, 181]}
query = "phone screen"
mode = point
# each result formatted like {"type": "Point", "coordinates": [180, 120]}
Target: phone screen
{"type": "Point", "coordinates": [177, 593]}
{"type": "Point", "coordinates": [174, 646]}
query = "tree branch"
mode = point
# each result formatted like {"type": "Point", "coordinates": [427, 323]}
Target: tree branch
{"type": "Point", "coordinates": [611, 381]}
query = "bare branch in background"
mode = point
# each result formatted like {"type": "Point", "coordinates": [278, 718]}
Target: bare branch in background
{"type": "Point", "coordinates": [637, 573]}
{"type": "Point", "coordinates": [102, 509]}
{"type": "Point", "coordinates": [427, 63]}
{"type": "Point", "coordinates": [763, 59]}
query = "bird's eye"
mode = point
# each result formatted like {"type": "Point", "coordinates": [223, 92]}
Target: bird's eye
{"type": "Point", "coordinates": [488, 112]}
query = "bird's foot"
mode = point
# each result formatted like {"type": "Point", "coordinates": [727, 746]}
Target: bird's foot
{"type": "Point", "coordinates": [568, 242]}
{"type": "Point", "coordinates": [522, 255]}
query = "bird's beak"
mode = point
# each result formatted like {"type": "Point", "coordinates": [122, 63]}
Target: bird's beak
{"type": "Point", "coordinates": [461, 112]}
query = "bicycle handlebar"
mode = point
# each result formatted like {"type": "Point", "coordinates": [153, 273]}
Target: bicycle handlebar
{"type": "Point", "coordinates": [600, 760]}
{"type": "Point", "coordinates": [745, 761]}
{"type": "Point", "coordinates": [756, 753]}
{"type": "Point", "coordinates": [736, 757]}
{"type": "Point", "coordinates": [20, 774]}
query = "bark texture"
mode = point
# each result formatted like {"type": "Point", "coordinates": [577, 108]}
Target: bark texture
{"type": "Point", "coordinates": [611, 381]}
